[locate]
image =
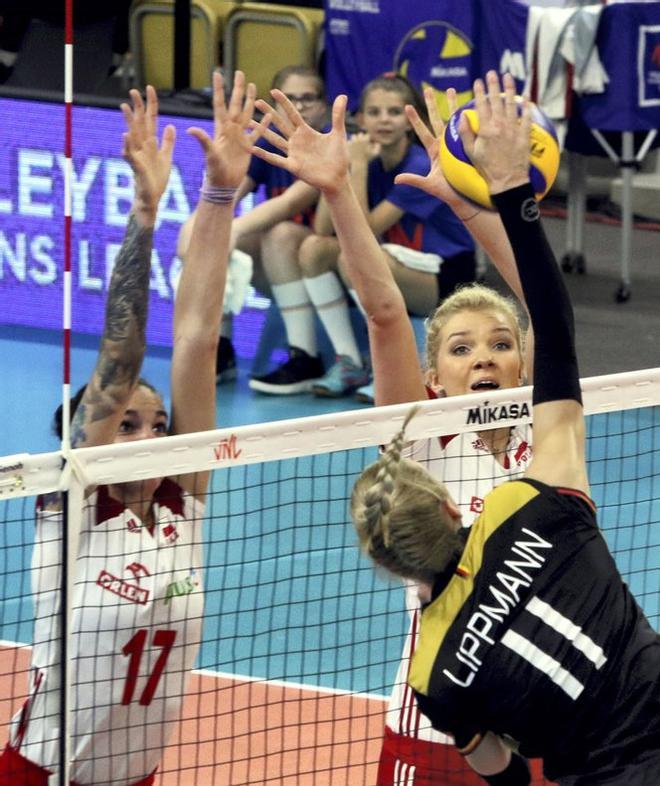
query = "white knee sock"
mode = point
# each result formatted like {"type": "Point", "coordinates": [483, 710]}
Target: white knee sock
{"type": "Point", "coordinates": [328, 297]}
{"type": "Point", "coordinates": [298, 315]}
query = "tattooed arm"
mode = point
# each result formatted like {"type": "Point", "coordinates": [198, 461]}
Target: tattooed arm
{"type": "Point", "coordinates": [117, 370]}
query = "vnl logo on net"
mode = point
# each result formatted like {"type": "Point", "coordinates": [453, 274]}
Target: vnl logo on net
{"type": "Point", "coordinates": [227, 449]}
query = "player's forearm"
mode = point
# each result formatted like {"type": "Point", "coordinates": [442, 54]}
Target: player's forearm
{"type": "Point", "coordinates": [123, 340]}
{"type": "Point", "coordinates": [363, 258]}
{"type": "Point", "coordinates": [359, 175]}
{"type": "Point", "coordinates": [555, 363]}
{"type": "Point", "coordinates": [200, 293]}
{"type": "Point", "coordinates": [323, 219]}
{"type": "Point", "coordinates": [487, 230]}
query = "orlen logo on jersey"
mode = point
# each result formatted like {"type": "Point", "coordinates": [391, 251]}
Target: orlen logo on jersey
{"type": "Point", "coordinates": [227, 449]}
{"type": "Point", "coordinates": [125, 589]}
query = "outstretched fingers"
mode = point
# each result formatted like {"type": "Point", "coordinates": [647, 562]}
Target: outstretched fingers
{"type": "Point", "coordinates": [495, 102]}
{"type": "Point", "coordinates": [420, 128]}
{"type": "Point", "coordinates": [526, 119]}
{"type": "Point", "coordinates": [276, 119]}
{"type": "Point", "coordinates": [257, 130]}
{"type": "Point", "coordinates": [276, 140]}
{"type": "Point", "coordinates": [248, 105]}
{"type": "Point", "coordinates": [138, 126]}
{"type": "Point", "coordinates": [436, 121]}
{"type": "Point", "coordinates": [151, 112]}
{"type": "Point", "coordinates": [290, 112]}
{"type": "Point", "coordinates": [409, 179]}
{"type": "Point", "coordinates": [481, 102]}
{"type": "Point", "coordinates": [219, 107]}
{"type": "Point", "coordinates": [271, 158]}
{"type": "Point", "coordinates": [510, 103]}
{"type": "Point", "coordinates": [167, 143]}
{"type": "Point", "coordinates": [339, 114]}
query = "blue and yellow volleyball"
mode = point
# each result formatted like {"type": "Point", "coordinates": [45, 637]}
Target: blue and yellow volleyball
{"type": "Point", "coordinates": [463, 177]}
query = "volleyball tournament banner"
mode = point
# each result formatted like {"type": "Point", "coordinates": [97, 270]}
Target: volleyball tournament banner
{"type": "Point", "coordinates": [31, 208]}
{"type": "Point", "coordinates": [439, 43]}
{"type": "Point", "coordinates": [429, 41]}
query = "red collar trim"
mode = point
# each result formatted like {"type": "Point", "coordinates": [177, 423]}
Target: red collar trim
{"type": "Point", "coordinates": [169, 494]}
{"type": "Point", "coordinates": [580, 494]}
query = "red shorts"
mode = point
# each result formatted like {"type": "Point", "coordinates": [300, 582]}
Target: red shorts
{"type": "Point", "coordinates": [407, 761]}
{"type": "Point", "coordinates": [16, 770]}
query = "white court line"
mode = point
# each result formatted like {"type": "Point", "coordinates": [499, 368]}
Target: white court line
{"type": "Point", "coordinates": [223, 675]}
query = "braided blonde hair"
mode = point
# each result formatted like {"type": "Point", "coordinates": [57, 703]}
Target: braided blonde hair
{"type": "Point", "coordinates": [473, 297]}
{"type": "Point", "coordinates": [397, 510]}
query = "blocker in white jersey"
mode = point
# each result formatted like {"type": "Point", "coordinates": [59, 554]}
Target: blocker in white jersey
{"type": "Point", "coordinates": [528, 634]}
{"type": "Point", "coordinates": [137, 606]}
{"type": "Point", "coordinates": [473, 340]}
{"type": "Point", "coordinates": [470, 471]}
{"type": "Point", "coordinates": [137, 624]}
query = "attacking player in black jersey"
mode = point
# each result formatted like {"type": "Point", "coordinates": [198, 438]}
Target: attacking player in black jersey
{"type": "Point", "coordinates": [530, 640]}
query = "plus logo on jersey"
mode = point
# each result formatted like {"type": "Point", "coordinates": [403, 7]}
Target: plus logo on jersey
{"type": "Point", "coordinates": [126, 590]}
{"type": "Point", "coordinates": [186, 586]}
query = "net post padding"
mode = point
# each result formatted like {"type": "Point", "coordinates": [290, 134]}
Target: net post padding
{"type": "Point", "coordinates": [25, 475]}
{"type": "Point", "coordinates": [210, 450]}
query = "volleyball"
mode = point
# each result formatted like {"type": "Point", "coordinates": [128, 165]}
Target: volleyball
{"type": "Point", "coordinates": [463, 177]}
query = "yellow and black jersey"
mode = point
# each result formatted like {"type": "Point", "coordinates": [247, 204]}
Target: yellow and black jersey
{"type": "Point", "coordinates": [535, 636]}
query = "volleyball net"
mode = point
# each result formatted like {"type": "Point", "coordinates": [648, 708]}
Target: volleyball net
{"type": "Point", "coordinates": [252, 630]}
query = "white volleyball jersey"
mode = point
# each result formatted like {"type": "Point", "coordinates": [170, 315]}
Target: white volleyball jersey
{"type": "Point", "coordinates": [469, 470]}
{"type": "Point", "coordinates": [137, 625]}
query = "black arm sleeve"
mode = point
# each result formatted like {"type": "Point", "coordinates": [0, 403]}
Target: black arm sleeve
{"type": "Point", "coordinates": [556, 375]}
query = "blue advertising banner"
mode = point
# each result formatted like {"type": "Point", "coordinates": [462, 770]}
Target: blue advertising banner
{"type": "Point", "coordinates": [500, 42]}
{"type": "Point", "coordinates": [31, 209]}
{"type": "Point", "coordinates": [629, 47]}
{"type": "Point", "coordinates": [447, 43]}
{"type": "Point", "coordinates": [429, 41]}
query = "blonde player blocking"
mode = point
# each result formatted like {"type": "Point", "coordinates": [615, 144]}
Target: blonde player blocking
{"type": "Point", "coordinates": [474, 342]}
{"type": "Point", "coordinates": [134, 639]}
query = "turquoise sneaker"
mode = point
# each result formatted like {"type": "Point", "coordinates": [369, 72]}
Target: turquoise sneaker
{"type": "Point", "coordinates": [343, 378]}
{"type": "Point", "coordinates": [365, 394]}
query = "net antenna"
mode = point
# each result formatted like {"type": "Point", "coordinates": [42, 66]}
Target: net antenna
{"type": "Point", "coordinates": [70, 533]}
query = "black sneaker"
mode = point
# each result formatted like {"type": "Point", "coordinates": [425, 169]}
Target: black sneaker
{"type": "Point", "coordinates": [225, 364]}
{"type": "Point", "coordinates": [297, 375]}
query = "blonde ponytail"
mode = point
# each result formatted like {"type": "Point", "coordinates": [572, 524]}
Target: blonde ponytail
{"type": "Point", "coordinates": [399, 515]}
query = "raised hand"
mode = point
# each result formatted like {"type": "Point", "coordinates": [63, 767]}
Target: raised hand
{"type": "Point", "coordinates": [228, 152]}
{"type": "Point", "coordinates": [435, 182]}
{"type": "Point", "coordinates": [500, 150]}
{"type": "Point", "coordinates": [321, 160]}
{"type": "Point", "coordinates": [151, 164]}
